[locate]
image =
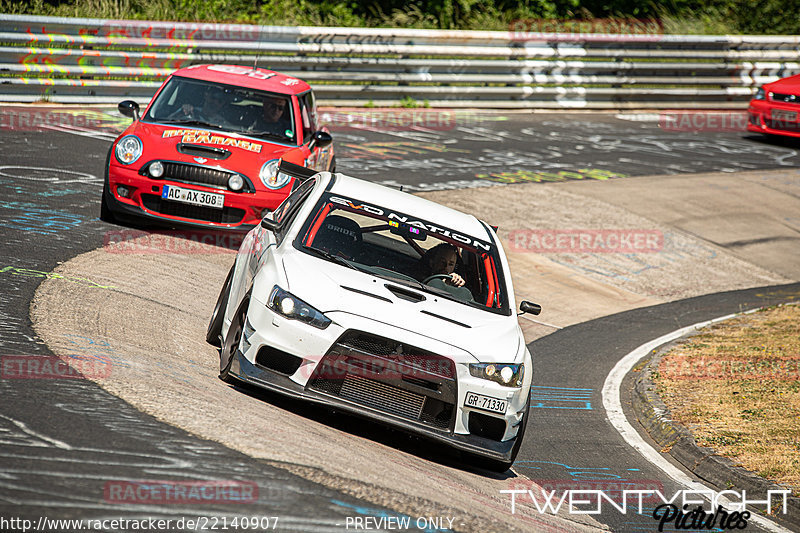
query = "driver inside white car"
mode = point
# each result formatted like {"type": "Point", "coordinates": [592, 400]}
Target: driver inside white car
{"type": "Point", "coordinates": [442, 260]}
{"type": "Point", "coordinates": [439, 264]}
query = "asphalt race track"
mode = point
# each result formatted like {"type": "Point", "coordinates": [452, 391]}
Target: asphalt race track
{"type": "Point", "coordinates": [571, 422]}
{"type": "Point", "coordinates": [66, 443]}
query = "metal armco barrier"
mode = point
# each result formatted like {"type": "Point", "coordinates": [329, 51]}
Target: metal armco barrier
{"type": "Point", "coordinates": [102, 61]}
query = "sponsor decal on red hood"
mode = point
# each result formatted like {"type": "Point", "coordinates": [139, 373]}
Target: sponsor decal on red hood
{"type": "Point", "coordinates": [205, 137]}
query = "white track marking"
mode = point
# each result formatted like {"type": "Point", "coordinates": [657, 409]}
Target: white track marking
{"type": "Point", "coordinates": [28, 431]}
{"type": "Point", "coordinates": [93, 134]}
{"type": "Point", "coordinates": [612, 403]}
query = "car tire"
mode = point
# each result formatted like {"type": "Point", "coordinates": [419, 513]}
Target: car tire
{"type": "Point", "coordinates": [333, 164]}
{"type": "Point", "coordinates": [218, 315]}
{"type": "Point", "coordinates": [232, 341]}
{"type": "Point", "coordinates": [106, 215]}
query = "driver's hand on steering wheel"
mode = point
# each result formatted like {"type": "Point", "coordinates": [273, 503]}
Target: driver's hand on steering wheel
{"type": "Point", "coordinates": [455, 280]}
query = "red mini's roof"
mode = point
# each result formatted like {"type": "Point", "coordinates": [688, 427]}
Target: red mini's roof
{"type": "Point", "coordinates": [260, 78]}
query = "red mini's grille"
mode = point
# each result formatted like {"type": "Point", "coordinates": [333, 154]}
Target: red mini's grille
{"type": "Point", "coordinates": [200, 175]}
{"type": "Point", "coordinates": [786, 98]}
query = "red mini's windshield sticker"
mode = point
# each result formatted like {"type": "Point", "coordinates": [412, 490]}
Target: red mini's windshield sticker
{"type": "Point", "coordinates": [204, 137]}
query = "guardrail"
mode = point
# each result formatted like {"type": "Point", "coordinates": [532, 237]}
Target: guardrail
{"type": "Point", "coordinates": [93, 60]}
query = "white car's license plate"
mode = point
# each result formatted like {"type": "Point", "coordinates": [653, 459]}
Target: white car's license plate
{"type": "Point", "coordinates": [787, 116]}
{"type": "Point", "coordinates": [189, 196]}
{"type": "Point", "coordinates": [486, 403]}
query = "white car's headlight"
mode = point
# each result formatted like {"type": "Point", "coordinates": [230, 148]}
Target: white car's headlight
{"type": "Point", "coordinates": [509, 375]}
{"type": "Point", "coordinates": [271, 177]}
{"type": "Point", "coordinates": [760, 94]}
{"type": "Point", "coordinates": [292, 307]}
{"type": "Point", "coordinates": [128, 149]}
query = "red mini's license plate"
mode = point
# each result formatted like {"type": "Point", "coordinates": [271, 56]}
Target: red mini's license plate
{"type": "Point", "coordinates": [190, 196]}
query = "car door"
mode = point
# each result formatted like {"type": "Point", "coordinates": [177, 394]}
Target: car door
{"type": "Point", "coordinates": [318, 158]}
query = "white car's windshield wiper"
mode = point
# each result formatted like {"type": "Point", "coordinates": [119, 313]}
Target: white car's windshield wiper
{"type": "Point", "coordinates": [335, 258]}
{"type": "Point", "coordinates": [402, 281]}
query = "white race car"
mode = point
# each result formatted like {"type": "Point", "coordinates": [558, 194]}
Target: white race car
{"type": "Point", "coordinates": [383, 304]}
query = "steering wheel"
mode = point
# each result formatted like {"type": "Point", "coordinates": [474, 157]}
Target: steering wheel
{"type": "Point", "coordinates": [195, 114]}
{"type": "Point", "coordinates": [436, 276]}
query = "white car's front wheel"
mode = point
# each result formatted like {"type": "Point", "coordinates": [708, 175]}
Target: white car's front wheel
{"type": "Point", "coordinates": [232, 342]}
{"type": "Point", "coordinates": [217, 316]}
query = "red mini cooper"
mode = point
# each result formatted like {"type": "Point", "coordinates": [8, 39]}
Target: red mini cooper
{"type": "Point", "coordinates": [775, 109]}
{"type": "Point", "coordinates": [206, 150]}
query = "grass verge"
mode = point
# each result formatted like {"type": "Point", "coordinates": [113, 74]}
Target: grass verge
{"type": "Point", "coordinates": [736, 387]}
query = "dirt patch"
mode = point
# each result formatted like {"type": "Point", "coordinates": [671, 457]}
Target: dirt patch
{"type": "Point", "coordinates": [736, 387]}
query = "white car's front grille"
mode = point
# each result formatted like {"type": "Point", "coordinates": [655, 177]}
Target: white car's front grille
{"type": "Point", "coordinates": [382, 396]}
{"type": "Point", "coordinates": [415, 385]}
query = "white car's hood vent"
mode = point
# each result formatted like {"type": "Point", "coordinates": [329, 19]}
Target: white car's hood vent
{"type": "Point", "coordinates": [405, 294]}
{"type": "Point", "coordinates": [440, 317]}
{"type": "Point", "coordinates": [365, 293]}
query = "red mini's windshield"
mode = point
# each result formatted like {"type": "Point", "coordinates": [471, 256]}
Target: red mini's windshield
{"type": "Point", "coordinates": [228, 108]}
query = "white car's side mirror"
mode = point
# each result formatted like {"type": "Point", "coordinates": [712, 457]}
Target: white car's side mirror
{"type": "Point", "coordinates": [269, 223]}
{"type": "Point", "coordinates": [529, 307]}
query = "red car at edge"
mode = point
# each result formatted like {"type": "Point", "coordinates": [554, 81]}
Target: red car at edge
{"type": "Point", "coordinates": [206, 150]}
{"type": "Point", "coordinates": [775, 109]}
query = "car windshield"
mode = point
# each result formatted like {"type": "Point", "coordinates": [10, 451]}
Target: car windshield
{"type": "Point", "coordinates": [405, 250]}
{"type": "Point", "coordinates": [227, 108]}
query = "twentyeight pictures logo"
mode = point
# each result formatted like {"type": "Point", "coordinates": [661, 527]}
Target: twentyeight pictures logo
{"type": "Point", "coordinates": [684, 509]}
